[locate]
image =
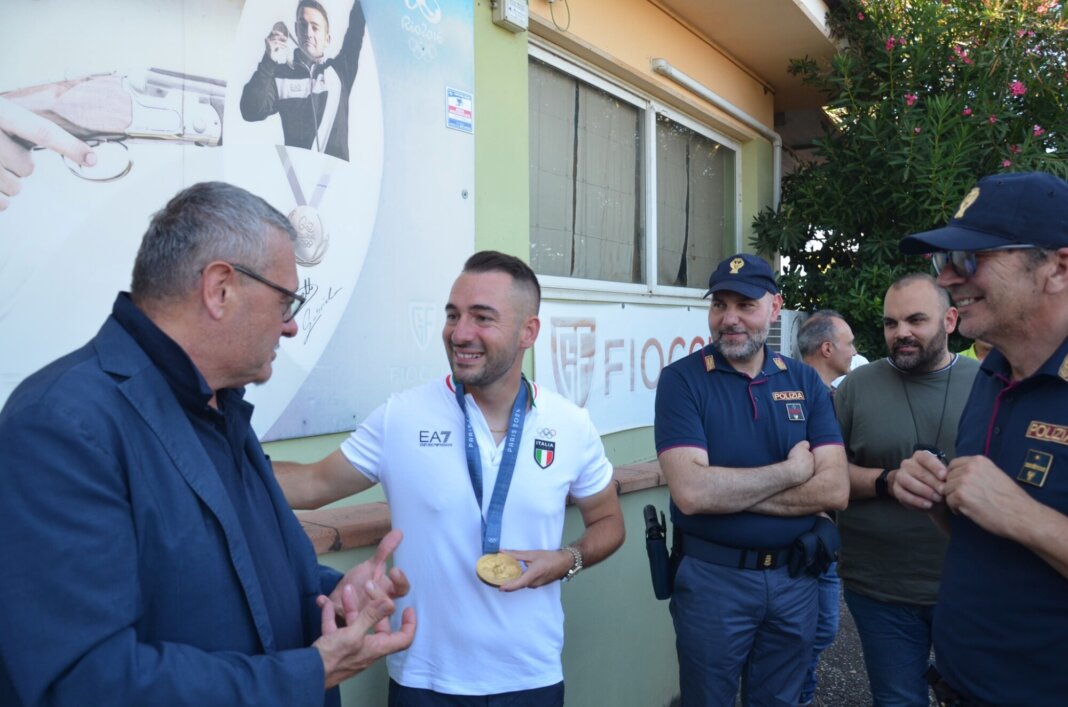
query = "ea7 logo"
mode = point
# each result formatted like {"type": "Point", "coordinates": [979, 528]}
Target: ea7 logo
{"type": "Point", "coordinates": [434, 438]}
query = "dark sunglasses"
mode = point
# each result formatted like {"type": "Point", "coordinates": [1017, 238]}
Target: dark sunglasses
{"type": "Point", "coordinates": [964, 262]}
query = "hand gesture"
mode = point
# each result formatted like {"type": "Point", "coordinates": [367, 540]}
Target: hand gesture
{"type": "Point", "coordinates": [350, 649]}
{"type": "Point", "coordinates": [392, 584]}
{"type": "Point", "coordinates": [276, 44]}
{"type": "Point", "coordinates": [979, 490]}
{"type": "Point", "coordinates": [920, 482]}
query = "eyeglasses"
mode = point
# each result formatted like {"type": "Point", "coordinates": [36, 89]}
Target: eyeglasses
{"type": "Point", "coordinates": [964, 262]}
{"type": "Point", "coordinates": [294, 302]}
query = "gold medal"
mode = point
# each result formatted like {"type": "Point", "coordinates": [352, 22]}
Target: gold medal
{"type": "Point", "coordinates": [497, 568]}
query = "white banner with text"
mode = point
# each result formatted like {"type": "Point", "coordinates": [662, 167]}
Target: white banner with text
{"type": "Point", "coordinates": [607, 358]}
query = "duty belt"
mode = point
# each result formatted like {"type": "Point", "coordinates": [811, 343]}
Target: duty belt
{"type": "Point", "coordinates": [727, 556]}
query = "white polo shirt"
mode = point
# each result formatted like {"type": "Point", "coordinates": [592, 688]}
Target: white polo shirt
{"type": "Point", "coordinates": [473, 639]}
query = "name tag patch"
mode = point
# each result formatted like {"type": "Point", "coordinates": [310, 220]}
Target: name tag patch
{"type": "Point", "coordinates": [795, 412]}
{"type": "Point", "coordinates": [788, 395]}
{"type": "Point", "coordinates": [1035, 468]}
{"type": "Point", "coordinates": [1047, 432]}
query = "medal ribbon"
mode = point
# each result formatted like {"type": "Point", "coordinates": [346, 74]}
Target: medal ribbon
{"type": "Point", "coordinates": [294, 183]}
{"type": "Point", "coordinates": [491, 520]}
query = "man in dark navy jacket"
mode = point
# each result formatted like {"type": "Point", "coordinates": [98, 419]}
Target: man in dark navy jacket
{"type": "Point", "coordinates": [149, 556]}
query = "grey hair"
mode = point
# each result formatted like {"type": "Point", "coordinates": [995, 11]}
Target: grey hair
{"type": "Point", "coordinates": [941, 292]}
{"type": "Point", "coordinates": [1036, 256]}
{"type": "Point", "coordinates": [815, 330]}
{"type": "Point", "coordinates": [205, 222]}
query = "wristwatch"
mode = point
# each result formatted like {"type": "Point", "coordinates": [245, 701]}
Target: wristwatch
{"type": "Point", "coordinates": [576, 567]}
{"type": "Point", "coordinates": [882, 487]}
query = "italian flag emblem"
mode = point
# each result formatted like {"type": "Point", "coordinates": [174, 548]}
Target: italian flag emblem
{"type": "Point", "coordinates": [544, 452]}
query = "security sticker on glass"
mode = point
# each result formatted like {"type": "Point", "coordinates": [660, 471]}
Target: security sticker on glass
{"type": "Point", "coordinates": [1036, 468]}
{"type": "Point", "coordinates": [795, 412]}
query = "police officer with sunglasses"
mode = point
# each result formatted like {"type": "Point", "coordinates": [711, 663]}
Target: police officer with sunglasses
{"type": "Point", "coordinates": [1002, 613]}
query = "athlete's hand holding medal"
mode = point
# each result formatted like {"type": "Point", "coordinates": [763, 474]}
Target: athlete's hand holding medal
{"type": "Point", "coordinates": [523, 569]}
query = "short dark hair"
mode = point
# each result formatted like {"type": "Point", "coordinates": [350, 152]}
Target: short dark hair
{"type": "Point", "coordinates": [495, 261]}
{"type": "Point", "coordinates": [318, 7]}
{"type": "Point", "coordinates": [941, 292]}
{"type": "Point", "coordinates": [815, 330]}
{"type": "Point", "coordinates": [205, 222]}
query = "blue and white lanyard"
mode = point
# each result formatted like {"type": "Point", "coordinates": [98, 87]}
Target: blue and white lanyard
{"type": "Point", "coordinates": [491, 521]}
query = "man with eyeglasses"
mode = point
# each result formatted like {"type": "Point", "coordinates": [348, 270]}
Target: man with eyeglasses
{"type": "Point", "coordinates": [1002, 612]}
{"type": "Point", "coordinates": [149, 555]}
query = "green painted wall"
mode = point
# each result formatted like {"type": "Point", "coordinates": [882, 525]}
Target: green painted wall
{"type": "Point", "coordinates": [757, 185]}
{"type": "Point", "coordinates": [502, 198]}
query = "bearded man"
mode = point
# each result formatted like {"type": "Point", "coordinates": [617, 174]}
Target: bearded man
{"type": "Point", "coordinates": [752, 454]}
{"type": "Point", "coordinates": [891, 556]}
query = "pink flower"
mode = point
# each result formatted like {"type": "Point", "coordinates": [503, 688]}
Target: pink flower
{"type": "Point", "coordinates": [966, 112]}
{"type": "Point", "coordinates": [1006, 163]}
{"type": "Point", "coordinates": [1038, 131]}
{"type": "Point", "coordinates": [917, 130]}
{"type": "Point", "coordinates": [910, 99]}
{"type": "Point", "coordinates": [890, 44]}
{"type": "Point", "coordinates": [992, 119]}
{"type": "Point", "coordinates": [860, 16]}
{"type": "Point", "coordinates": [1017, 88]}
{"type": "Point", "coordinates": [1014, 149]}
{"type": "Point", "coordinates": [901, 41]}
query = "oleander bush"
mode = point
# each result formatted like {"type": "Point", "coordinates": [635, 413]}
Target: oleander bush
{"type": "Point", "coordinates": [923, 98]}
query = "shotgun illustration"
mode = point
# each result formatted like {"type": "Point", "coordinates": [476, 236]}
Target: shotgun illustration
{"type": "Point", "coordinates": [112, 109]}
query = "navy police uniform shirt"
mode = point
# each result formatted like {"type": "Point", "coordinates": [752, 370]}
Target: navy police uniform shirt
{"type": "Point", "coordinates": [743, 422]}
{"type": "Point", "coordinates": [1001, 623]}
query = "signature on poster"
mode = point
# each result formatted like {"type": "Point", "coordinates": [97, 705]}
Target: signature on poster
{"type": "Point", "coordinates": [313, 310]}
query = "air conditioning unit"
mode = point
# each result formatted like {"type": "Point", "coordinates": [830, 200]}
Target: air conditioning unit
{"type": "Point", "coordinates": [783, 334]}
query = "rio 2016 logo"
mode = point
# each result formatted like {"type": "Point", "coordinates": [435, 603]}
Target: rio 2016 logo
{"type": "Point", "coordinates": [430, 9]}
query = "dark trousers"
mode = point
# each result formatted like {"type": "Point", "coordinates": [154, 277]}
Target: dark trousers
{"type": "Point", "coordinates": [401, 696]}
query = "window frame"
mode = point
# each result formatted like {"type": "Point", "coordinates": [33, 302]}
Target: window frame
{"type": "Point", "coordinates": [563, 287]}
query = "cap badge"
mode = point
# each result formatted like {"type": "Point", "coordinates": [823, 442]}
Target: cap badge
{"type": "Point", "coordinates": [736, 265]}
{"type": "Point", "coordinates": [967, 202]}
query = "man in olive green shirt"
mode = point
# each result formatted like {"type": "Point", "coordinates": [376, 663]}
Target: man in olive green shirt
{"type": "Point", "coordinates": [891, 557]}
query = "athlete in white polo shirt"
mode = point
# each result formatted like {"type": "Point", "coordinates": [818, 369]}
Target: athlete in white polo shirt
{"type": "Point", "coordinates": [479, 638]}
